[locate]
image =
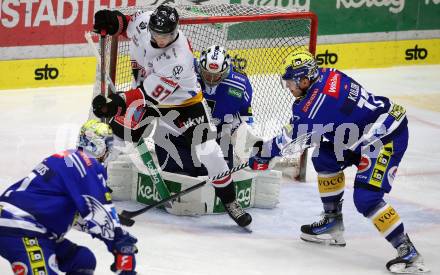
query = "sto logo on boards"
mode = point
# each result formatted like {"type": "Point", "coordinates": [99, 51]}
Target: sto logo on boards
{"type": "Point", "coordinates": [326, 58]}
{"type": "Point", "coordinates": [416, 53]}
{"type": "Point", "coordinates": [46, 73]}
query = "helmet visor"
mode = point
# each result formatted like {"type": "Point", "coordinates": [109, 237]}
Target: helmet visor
{"type": "Point", "coordinates": [286, 85]}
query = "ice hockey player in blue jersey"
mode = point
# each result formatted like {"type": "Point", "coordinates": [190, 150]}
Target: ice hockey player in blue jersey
{"type": "Point", "coordinates": [228, 93]}
{"type": "Point", "coordinates": [65, 190]}
{"type": "Point", "coordinates": [349, 126]}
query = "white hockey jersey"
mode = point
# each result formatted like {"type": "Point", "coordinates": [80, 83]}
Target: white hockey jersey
{"type": "Point", "coordinates": [167, 75]}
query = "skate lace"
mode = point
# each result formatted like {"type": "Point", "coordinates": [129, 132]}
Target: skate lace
{"type": "Point", "coordinates": [406, 250]}
{"type": "Point", "coordinates": [321, 222]}
{"type": "Point", "coordinates": [234, 209]}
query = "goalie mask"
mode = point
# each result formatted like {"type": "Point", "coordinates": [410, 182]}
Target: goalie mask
{"type": "Point", "coordinates": [215, 64]}
{"type": "Point", "coordinates": [299, 64]}
{"type": "Point", "coordinates": [96, 138]}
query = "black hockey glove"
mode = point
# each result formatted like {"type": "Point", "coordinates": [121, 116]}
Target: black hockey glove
{"type": "Point", "coordinates": [102, 108]}
{"type": "Point", "coordinates": [109, 22]}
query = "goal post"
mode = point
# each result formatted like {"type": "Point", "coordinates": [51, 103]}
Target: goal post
{"type": "Point", "coordinates": [257, 39]}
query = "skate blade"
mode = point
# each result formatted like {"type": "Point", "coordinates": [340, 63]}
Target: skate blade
{"type": "Point", "coordinates": [324, 241]}
{"type": "Point", "coordinates": [415, 268]}
{"type": "Point", "coordinates": [247, 229]}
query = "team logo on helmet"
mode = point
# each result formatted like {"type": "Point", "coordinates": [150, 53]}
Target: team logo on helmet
{"type": "Point", "coordinates": [213, 66]}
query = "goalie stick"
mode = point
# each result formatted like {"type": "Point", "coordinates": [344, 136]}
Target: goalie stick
{"type": "Point", "coordinates": [126, 217]}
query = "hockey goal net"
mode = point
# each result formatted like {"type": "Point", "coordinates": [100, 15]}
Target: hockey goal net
{"type": "Point", "coordinates": [257, 39]}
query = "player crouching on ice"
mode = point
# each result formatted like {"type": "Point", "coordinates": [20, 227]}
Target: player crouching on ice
{"type": "Point", "coordinates": [351, 127]}
{"type": "Point", "coordinates": [66, 189]}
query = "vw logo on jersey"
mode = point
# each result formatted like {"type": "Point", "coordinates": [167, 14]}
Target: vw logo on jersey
{"type": "Point", "coordinates": [177, 70]}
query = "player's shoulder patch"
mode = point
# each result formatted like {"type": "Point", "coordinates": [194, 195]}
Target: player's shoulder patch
{"type": "Point", "coordinates": [237, 76]}
{"type": "Point", "coordinates": [332, 84]}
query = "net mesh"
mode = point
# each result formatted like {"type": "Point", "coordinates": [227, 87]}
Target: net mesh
{"type": "Point", "coordinates": [257, 39]}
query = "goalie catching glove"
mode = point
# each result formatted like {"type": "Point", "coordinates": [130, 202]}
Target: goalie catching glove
{"type": "Point", "coordinates": [102, 108]}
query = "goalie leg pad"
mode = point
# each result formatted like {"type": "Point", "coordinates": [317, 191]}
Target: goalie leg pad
{"type": "Point", "coordinates": [267, 189]}
{"type": "Point", "coordinates": [187, 208]}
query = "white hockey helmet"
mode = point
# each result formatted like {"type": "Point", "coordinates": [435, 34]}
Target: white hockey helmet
{"type": "Point", "coordinates": [214, 65]}
{"type": "Point", "coordinates": [96, 138]}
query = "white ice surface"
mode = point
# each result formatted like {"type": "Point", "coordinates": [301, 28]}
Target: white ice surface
{"type": "Point", "coordinates": [38, 122]}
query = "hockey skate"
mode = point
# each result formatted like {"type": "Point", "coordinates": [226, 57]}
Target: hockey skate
{"type": "Point", "coordinates": [329, 230]}
{"type": "Point", "coordinates": [237, 213]}
{"type": "Point", "coordinates": [408, 260]}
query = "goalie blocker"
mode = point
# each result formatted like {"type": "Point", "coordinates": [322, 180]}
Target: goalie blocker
{"type": "Point", "coordinates": [253, 190]}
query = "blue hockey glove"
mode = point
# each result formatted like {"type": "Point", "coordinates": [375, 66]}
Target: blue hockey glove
{"type": "Point", "coordinates": [258, 162]}
{"type": "Point", "coordinates": [124, 248]}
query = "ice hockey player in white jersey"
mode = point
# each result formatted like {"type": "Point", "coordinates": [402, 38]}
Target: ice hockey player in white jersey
{"type": "Point", "coordinates": [64, 190]}
{"type": "Point", "coordinates": [229, 96]}
{"type": "Point", "coordinates": [165, 86]}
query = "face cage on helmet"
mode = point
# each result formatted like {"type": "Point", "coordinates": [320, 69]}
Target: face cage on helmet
{"type": "Point", "coordinates": [213, 79]}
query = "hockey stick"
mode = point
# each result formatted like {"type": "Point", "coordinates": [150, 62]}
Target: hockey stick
{"type": "Point", "coordinates": [126, 216]}
{"type": "Point", "coordinates": [102, 58]}
{"type": "Point", "coordinates": [99, 58]}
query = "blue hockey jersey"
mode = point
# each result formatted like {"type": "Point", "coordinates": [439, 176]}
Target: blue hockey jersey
{"type": "Point", "coordinates": [64, 190]}
{"type": "Point", "coordinates": [230, 99]}
{"type": "Point", "coordinates": [339, 109]}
